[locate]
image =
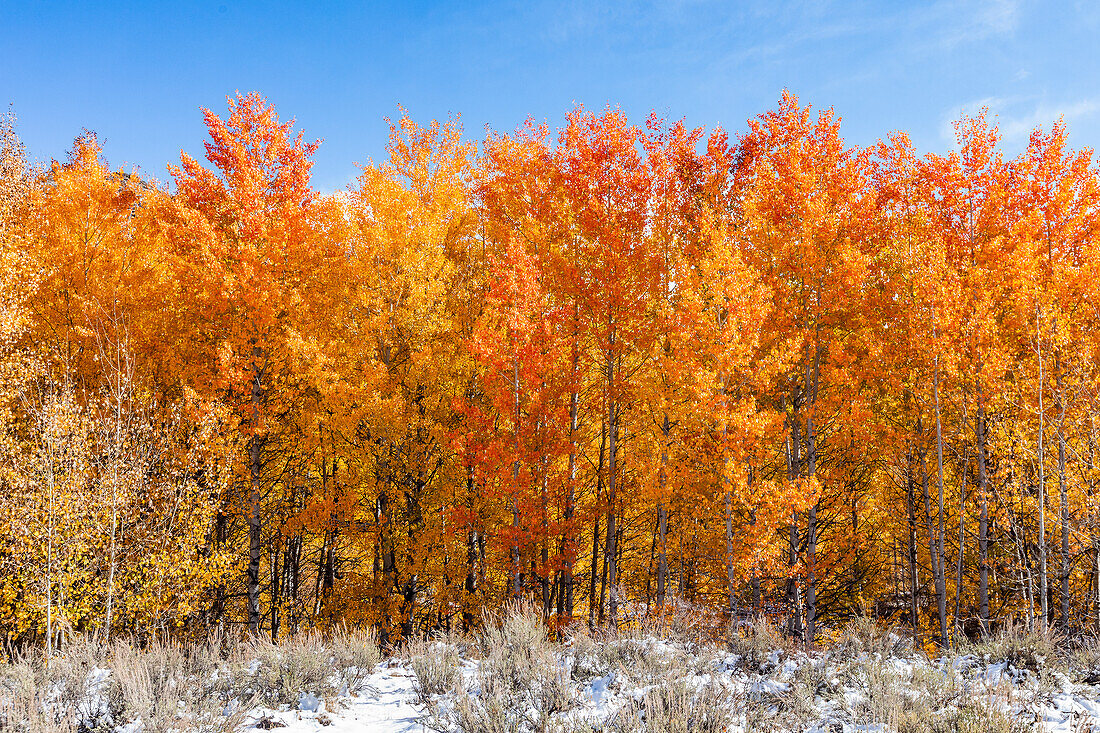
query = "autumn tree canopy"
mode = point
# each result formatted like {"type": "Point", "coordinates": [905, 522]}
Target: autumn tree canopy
{"type": "Point", "coordinates": [613, 368]}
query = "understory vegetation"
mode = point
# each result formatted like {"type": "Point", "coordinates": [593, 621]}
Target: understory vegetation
{"type": "Point", "coordinates": [516, 675]}
{"type": "Point", "coordinates": [219, 686]}
{"type": "Point", "coordinates": [513, 677]}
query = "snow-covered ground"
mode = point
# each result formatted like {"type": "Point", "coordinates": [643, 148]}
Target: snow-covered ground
{"type": "Point", "coordinates": [385, 703]}
{"type": "Point", "coordinates": [512, 678]}
{"type": "Point", "coordinates": [650, 684]}
{"type": "Point", "coordinates": [390, 706]}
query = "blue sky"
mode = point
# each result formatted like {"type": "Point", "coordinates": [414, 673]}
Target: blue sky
{"type": "Point", "coordinates": [137, 72]}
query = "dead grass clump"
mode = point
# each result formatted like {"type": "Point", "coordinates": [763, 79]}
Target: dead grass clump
{"type": "Point", "coordinates": [210, 687]}
{"type": "Point", "coordinates": [521, 627]}
{"type": "Point", "coordinates": [864, 635]}
{"type": "Point", "coordinates": [1031, 650]}
{"type": "Point", "coordinates": [355, 655]}
{"type": "Point", "coordinates": [521, 663]}
{"type": "Point", "coordinates": [287, 669]}
{"type": "Point", "coordinates": [797, 705]}
{"type": "Point", "coordinates": [756, 644]}
{"type": "Point", "coordinates": [22, 682]}
{"type": "Point", "coordinates": [919, 698]}
{"type": "Point", "coordinates": [487, 713]}
{"type": "Point", "coordinates": [674, 707]}
{"type": "Point", "coordinates": [437, 668]}
{"type": "Point", "coordinates": [523, 680]}
{"type": "Point", "coordinates": [640, 659]}
{"type": "Point", "coordinates": [151, 684]}
{"type": "Point", "coordinates": [968, 716]}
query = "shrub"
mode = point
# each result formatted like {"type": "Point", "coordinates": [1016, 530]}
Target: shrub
{"type": "Point", "coordinates": [355, 655]}
{"type": "Point", "coordinates": [756, 644]}
{"type": "Point", "coordinates": [211, 687]}
{"type": "Point", "coordinates": [437, 669]}
{"type": "Point", "coordinates": [300, 664]}
{"type": "Point", "coordinates": [1023, 649]}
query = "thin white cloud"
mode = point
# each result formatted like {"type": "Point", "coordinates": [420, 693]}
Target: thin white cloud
{"type": "Point", "coordinates": [972, 22]}
{"type": "Point", "coordinates": [1017, 116]}
{"type": "Point", "coordinates": [940, 27]}
{"type": "Point", "coordinates": [1015, 129]}
{"type": "Point", "coordinates": [998, 16]}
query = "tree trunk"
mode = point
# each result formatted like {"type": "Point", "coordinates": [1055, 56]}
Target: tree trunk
{"type": "Point", "coordinates": [47, 431]}
{"type": "Point", "coordinates": [275, 588]}
{"type": "Point", "coordinates": [941, 590]}
{"type": "Point", "coordinates": [934, 556]}
{"type": "Point", "coordinates": [254, 522]}
{"type": "Point", "coordinates": [217, 610]}
{"type": "Point", "coordinates": [811, 540]}
{"type": "Point", "coordinates": [328, 582]}
{"type": "Point", "coordinates": [756, 592]}
{"type": "Point", "coordinates": [962, 531]}
{"type": "Point", "coordinates": [983, 522]}
{"type": "Point", "coordinates": [812, 380]}
{"type": "Point", "coordinates": [1063, 497]}
{"type": "Point", "coordinates": [294, 578]}
{"type": "Point", "coordinates": [612, 533]}
{"type": "Point", "coordinates": [595, 604]}
{"type": "Point", "coordinates": [730, 601]}
{"type": "Point", "coordinates": [414, 513]}
{"type": "Point", "coordinates": [662, 520]}
{"type": "Point", "coordinates": [794, 595]}
{"type": "Point", "coordinates": [319, 584]}
{"type": "Point", "coordinates": [612, 548]}
{"type": "Point", "coordinates": [115, 458]}
{"type": "Point", "coordinates": [569, 540]}
{"type": "Point", "coordinates": [544, 574]}
{"type": "Point", "coordinates": [1027, 581]}
{"type": "Point", "coordinates": [1044, 595]}
{"type": "Point", "coordinates": [593, 600]}
{"type": "Point", "coordinates": [1090, 489]}
{"type": "Point", "coordinates": [389, 566]}
{"type": "Point", "coordinates": [470, 584]}
{"type": "Point", "coordinates": [515, 484]}
{"type": "Point", "coordinates": [724, 483]}
{"type": "Point", "coordinates": [911, 549]}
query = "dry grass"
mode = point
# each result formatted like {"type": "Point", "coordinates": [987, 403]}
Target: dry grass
{"type": "Point", "coordinates": [355, 655]}
{"type": "Point", "coordinates": [522, 680]}
{"type": "Point", "coordinates": [285, 670]}
{"type": "Point", "coordinates": [862, 674]}
{"type": "Point", "coordinates": [756, 645]}
{"type": "Point", "coordinates": [1023, 649]}
{"type": "Point", "coordinates": [512, 677]}
{"type": "Point", "coordinates": [675, 707]}
{"type": "Point", "coordinates": [436, 665]}
{"type": "Point", "coordinates": [210, 687]}
{"type": "Point", "coordinates": [635, 657]}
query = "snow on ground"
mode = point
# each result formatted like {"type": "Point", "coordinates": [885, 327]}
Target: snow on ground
{"type": "Point", "coordinates": [511, 678]}
{"type": "Point", "coordinates": [602, 698]}
{"type": "Point", "coordinates": [386, 704]}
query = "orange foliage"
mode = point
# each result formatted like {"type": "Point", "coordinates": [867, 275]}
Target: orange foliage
{"type": "Point", "coordinates": [606, 368]}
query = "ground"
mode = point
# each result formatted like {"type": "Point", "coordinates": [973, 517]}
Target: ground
{"type": "Point", "coordinates": [514, 676]}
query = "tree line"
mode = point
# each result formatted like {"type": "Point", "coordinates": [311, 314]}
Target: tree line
{"type": "Point", "coordinates": [609, 369]}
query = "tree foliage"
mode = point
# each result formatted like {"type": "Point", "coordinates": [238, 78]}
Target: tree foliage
{"type": "Point", "coordinates": [607, 368]}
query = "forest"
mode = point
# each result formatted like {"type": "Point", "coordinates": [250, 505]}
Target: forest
{"type": "Point", "coordinates": [609, 368]}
